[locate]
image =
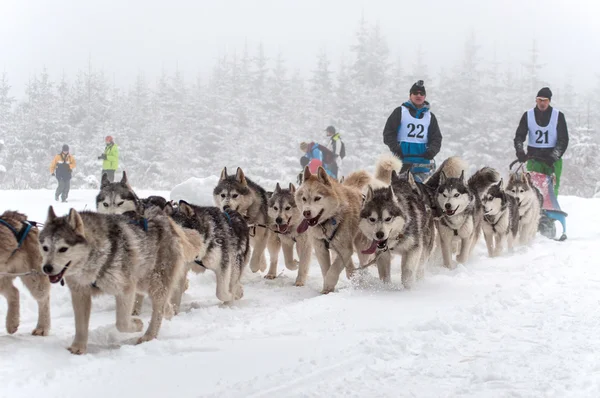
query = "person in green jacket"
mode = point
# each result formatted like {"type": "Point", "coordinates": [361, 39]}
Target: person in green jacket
{"type": "Point", "coordinates": [110, 158]}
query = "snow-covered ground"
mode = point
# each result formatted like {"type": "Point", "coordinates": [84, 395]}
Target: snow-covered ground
{"type": "Point", "coordinates": [523, 325]}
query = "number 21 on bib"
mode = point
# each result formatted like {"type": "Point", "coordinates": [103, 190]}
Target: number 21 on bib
{"type": "Point", "coordinates": [542, 137]}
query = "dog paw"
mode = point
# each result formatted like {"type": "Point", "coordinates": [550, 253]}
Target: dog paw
{"type": "Point", "coordinates": [270, 276]}
{"type": "Point", "coordinates": [138, 325]}
{"type": "Point", "coordinates": [169, 311]}
{"type": "Point", "coordinates": [144, 339]}
{"type": "Point", "coordinates": [238, 292]}
{"type": "Point", "coordinates": [327, 290]}
{"type": "Point", "coordinates": [12, 328]}
{"type": "Point", "coordinates": [299, 282]}
{"type": "Point", "coordinates": [226, 298]}
{"type": "Point", "coordinates": [293, 266]}
{"type": "Point", "coordinates": [255, 267]}
{"type": "Point", "coordinates": [40, 331]}
{"type": "Point", "coordinates": [77, 349]}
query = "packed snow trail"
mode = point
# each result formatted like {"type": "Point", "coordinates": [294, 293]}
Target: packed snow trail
{"type": "Point", "coordinates": [525, 325]}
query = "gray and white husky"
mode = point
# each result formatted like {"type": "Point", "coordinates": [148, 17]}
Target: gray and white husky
{"type": "Point", "coordinates": [106, 254]}
{"type": "Point", "coordinates": [120, 198]}
{"type": "Point", "coordinates": [224, 245]}
{"type": "Point", "coordinates": [530, 201]}
{"type": "Point", "coordinates": [462, 212]}
{"type": "Point", "coordinates": [284, 219]}
{"type": "Point", "coordinates": [396, 221]}
{"type": "Point", "coordinates": [500, 219]}
{"type": "Point", "coordinates": [239, 193]}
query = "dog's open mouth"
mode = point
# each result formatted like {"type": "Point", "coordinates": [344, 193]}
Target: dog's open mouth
{"type": "Point", "coordinates": [309, 222]}
{"type": "Point", "coordinates": [376, 244]}
{"type": "Point", "coordinates": [283, 228]}
{"type": "Point", "coordinates": [451, 212]}
{"type": "Point", "coordinates": [315, 220]}
{"type": "Point", "coordinates": [58, 277]}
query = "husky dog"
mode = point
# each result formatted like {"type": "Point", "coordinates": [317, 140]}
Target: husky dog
{"type": "Point", "coordinates": [462, 212]}
{"type": "Point", "coordinates": [99, 253]}
{"type": "Point", "coordinates": [154, 200]}
{"type": "Point", "coordinates": [427, 191]}
{"type": "Point", "coordinates": [224, 247]}
{"type": "Point", "coordinates": [20, 254]}
{"type": "Point", "coordinates": [241, 194]}
{"type": "Point", "coordinates": [119, 198]}
{"type": "Point", "coordinates": [530, 201]}
{"type": "Point", "coordinates": [500, 219]}
{"type": "Point", "coordinates": [332, 212]}
{"type": "Point", "coordinates": [396, 221]}
{"type": "Point", "coordinates": [284, 219]}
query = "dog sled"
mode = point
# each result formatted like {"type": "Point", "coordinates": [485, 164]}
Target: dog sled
{"type": "Point", "coordinates": [551, 210]}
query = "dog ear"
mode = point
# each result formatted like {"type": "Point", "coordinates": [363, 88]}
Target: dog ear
{"type": "Point", "coordinates": [499, 185]}
{"type": "Point", "coordinates": [105, 181]}
{"type": "Point", "coordinates": [342, 179]}
{"type": "Point", "coordinates": [323, 177]}
{"type": "Point", "coordinates": [277, 188]}
{"type": "Point", "coordinates": [292, 188]}
{"type": "Point", "coordinates": [529, 180]}
{"type": "Point", "coordinates": [395, 176]}
{"type": "Point", "coordinates": [240, 177]}
{"type": "Point", "coordinates": [394, 197]}
{"type": "Point", "coordinates": [524, 177]}
{"type": "Point", "coordinates": [124, 179]}
{"type": "Point", "coordinates": [411, 181]}
{"type": "Point", "coordinates": [51, 215]}
{"type": "Point", "coordinates": [462, 176]}
{"type": "Point", "coordinates": [186, 209]}
{"type": "Point", "coordinates": [75, 222]}
{"type": "Point", "coordinates": [369, 195]}
{"type": "Point", "coordinates": [223, 174]}
{"type": "Point", "coordinates": [168, 209]}
{"type": "Point", "coordinates": [443, 177]}
{"type": "Point", "coordinates": [307, 174]}
{"type": "Point", "coordinates": [269, 194]}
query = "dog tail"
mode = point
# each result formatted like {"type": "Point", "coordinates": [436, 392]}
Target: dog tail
{"type": "Point", "coordinates": [482, 179]}
{"type": "Point", "coordinates": [359, 179]}
{"type": "Point", "coordinates": [452, 168]}
{"type": "Point", "coordinates": [189, 239]}
{"type": "Point", "coordinates": [385, 165]}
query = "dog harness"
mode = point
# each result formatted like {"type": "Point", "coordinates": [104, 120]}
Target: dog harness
{"type": "Point", "coordinates": [142, 223]}
{"type": "Point", "coordinates": [335, 229]}
{"type": "Point", "coordinates": [20, 235]}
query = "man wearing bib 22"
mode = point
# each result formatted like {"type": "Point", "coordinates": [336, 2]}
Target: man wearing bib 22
{"type": "Point", "coordinates": [545, 129]}
{"type": "Point", "coordinates": [412, 133]}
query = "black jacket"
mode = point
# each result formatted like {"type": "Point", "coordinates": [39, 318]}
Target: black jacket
{"type": "Point", "coordinates": [390, 133]}
{"type": "Point", "coordinates": [551, 155]}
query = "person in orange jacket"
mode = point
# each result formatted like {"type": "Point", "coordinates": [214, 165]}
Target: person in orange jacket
{"type": "Point", "coordinates": [62, 167]}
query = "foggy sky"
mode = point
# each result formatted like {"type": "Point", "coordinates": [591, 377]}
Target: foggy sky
{"type": "Point", "coordinates": [125, 37]}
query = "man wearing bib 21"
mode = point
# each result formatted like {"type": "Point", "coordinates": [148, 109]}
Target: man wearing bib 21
{"type": "Point", "coordinates": [545, 129]}
{"type": "Point", "coordinates": [412, 133]}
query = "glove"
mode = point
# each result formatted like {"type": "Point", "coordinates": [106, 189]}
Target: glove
{"type": "Point", "coordinates": [428, 155]}
{"type": "Point", "coordinates": [549, 160]}
{"type": "Point", "coordinates": [522, 156]}
{"type": "Point", "coordinates": [103, 156]}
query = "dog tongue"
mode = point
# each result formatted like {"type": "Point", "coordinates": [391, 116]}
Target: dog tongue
{"type": "Point", "coordinates": [371, 248]}
{"type": "Point", "coordinates": [303, 226]}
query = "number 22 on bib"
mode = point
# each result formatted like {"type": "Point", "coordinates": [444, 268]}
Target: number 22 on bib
{"type": "Point", "coordinates": [542, 137]}
{"type": "Point", "coordinates": [412, 129]}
